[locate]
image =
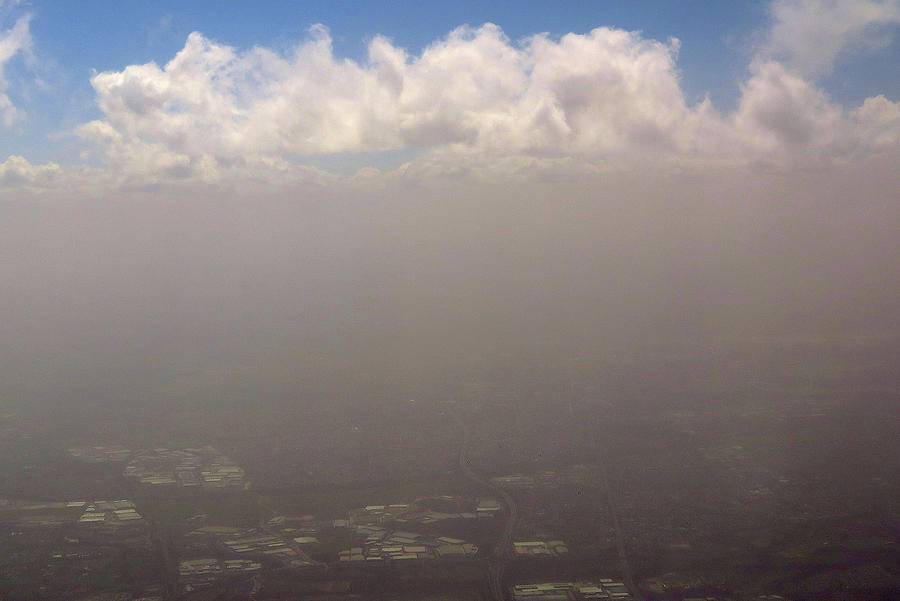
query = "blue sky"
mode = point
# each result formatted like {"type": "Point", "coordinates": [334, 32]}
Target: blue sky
{"type": "Point", "coordinates": [72, 40]}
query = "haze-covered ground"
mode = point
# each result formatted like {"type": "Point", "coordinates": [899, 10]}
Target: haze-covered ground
{"type": "Point", "coordinates": [137, 317]}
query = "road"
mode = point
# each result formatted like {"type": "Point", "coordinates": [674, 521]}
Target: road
{"type": "Point", "coordinates": [503, 547]}
{"type": "Point", "coordinates": [627, 574]}
{"type": "Point", "coordinates": [162, 538]}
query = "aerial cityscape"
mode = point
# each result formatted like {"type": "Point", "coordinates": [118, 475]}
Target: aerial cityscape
{"type": "Point", "coordinates": [433, 301]}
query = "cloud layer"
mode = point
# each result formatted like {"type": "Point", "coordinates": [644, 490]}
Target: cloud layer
{"type": "Point", "coordinates": [475, 104]}
{"type": "Point", "coordinates": [606, 92]}
{"type": "Point", "coordinates": [608, 95]}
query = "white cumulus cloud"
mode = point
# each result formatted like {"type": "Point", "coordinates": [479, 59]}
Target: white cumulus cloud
{"type": "Point", "coordinates": [470, 101]}
{"type": "Point", "coordinates": [13, 41]}
{"type": "Point", "coordinates": [781, 113]}
{"type": "Point", "coordinates": [475, 104]}
{"type": "Point", "coordinates": [810, 34]}
{"type": "Point", "coordinates": [17, 172]}
{"type": "Point", "coordinates": [607, 92]}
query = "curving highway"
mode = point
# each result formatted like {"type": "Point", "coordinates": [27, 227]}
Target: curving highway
{"type": "Point", "coordinates": [503, 547]}
{"type": "Point", "coordinates": [627, 574]}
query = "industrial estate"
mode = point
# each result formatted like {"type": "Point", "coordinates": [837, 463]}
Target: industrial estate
{"type": "Point", "coordinates": [605, 512]}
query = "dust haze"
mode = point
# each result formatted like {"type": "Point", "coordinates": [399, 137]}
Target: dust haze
{"type": "Point", "coordinates": [115, 298]}
{"type": "Point", "coordinates": [714, 353]}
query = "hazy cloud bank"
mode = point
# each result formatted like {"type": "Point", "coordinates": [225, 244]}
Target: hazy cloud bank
{"type": "Point", "coordinates": [140, 285]}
